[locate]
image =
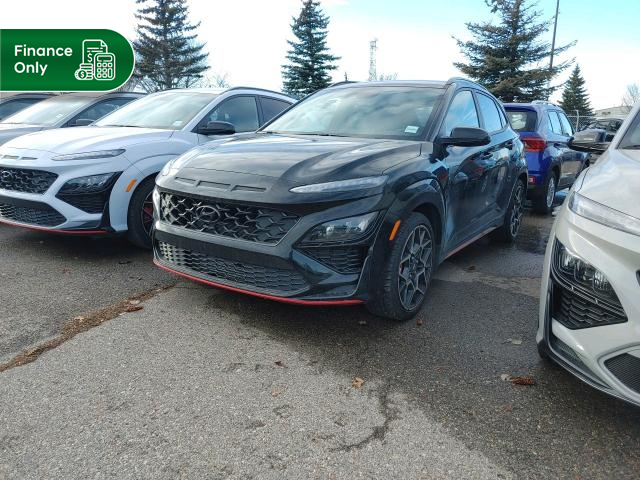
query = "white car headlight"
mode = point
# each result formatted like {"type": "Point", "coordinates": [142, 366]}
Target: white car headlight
{"type": "Point", "coordinates": [90, 155]}
{"type": "Point", "coordinates": [581, 205]}
{"type": "Point", "coordinates": [342, 185]}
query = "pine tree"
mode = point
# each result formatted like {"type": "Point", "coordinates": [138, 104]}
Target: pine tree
{"type": "Point", "coordinates": [309, 58]}
{"type": "Point", "coordinates": [574, 95]}
{"type": "Point", "coordinates": [509, 58]}
{"type": "Point", "coordinates": [167, 52]}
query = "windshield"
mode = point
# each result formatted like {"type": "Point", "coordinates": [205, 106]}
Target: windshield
{"type": "Point", "coordinates": [50, 111]}
{"type": "Point", "coordinates": [396, 112]}
{"type": "Point", "coordinates": [522, 120]}
{"type": "Point", "coordinates": [166, 111]}
{"type": "Point", "coordinates": [631, 138]}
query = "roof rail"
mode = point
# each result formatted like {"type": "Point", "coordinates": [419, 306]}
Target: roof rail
{"type": "Point", "coordinates": [464, 80]}
{"type": "Point", "coordinates": [343, 82]}
{"type": "Point", "coordinates": [254, 88]}
{"type": "Point", "coordinates": [543, 102]}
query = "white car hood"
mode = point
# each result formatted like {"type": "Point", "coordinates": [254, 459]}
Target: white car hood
{"type": "Point", "coordinates": [87, 139]}
{"type": "Point", "coordinates": [614, 181]}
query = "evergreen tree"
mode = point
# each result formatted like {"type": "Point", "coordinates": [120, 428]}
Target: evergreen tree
{"type": "Point", "coordinates": [574, 95]}
{"type": "Point", "coordinates": [167, 52]}
{"type": "Point", "coordinates": [509, 58]}
{"type": "Point", "coordinates": [309, 58]}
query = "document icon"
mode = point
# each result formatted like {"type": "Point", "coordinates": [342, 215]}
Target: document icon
{"type": "Point", "coordinates": [97, 62]}
{"type": "Point", "coordinates": [92, 47]}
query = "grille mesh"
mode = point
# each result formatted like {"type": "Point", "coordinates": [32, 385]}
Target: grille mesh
{"type": "Point", "coordinates": [43, 216]}
{"type": "Point", "coordinates": [24, 180]}
{"type": "Point", "coordinates": [626, 368]}
{"type": "Point", "coordinates": [245, 222]}
{"type": "Point", "coordinates": [344, 260]}
{"type": "Point", "coordinates": [244, 274]}
{"type": "Point", "coordinates": [576, 311]}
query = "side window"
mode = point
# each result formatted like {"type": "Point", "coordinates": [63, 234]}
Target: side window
{"type": "Point", "coordinates": [241, 111]}
{"type": "Point", "coordinates": [100, 109]}
{"type": "Point", "coordinates": [12, 106]}
{"type": "Point", "coordinates": [555, 123]}
{"type": "Point", "coordinates": [566, 126]}
{"type": "Point", "coordinates": [272, 107]}
{"type": "Point", "coordinates": [490, 113]}
{"type": "Point", "coordinates": [462, 112]}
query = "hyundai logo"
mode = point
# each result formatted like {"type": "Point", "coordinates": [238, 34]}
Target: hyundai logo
{"type": "Point", "coordinates": [206, 215]}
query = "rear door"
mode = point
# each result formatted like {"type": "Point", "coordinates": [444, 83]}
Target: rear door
{"type": "Point", "coordinates": [558, 141]}
{"type": "Point", "coordinates": [469, 169]}
{"type": "Point", "coordinates": [572, 159]}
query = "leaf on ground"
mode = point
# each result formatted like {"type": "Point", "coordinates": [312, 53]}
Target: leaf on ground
{"type": "Point", "coordinates": [419, 322]}
{"type": "Point", "coordinates": [279, 363]}
{"type": "Point", "coordinates": [505, 377]}
{"type": "Point", "coordinates": [513, 341]}
{"type": "Point", "coordinates": [357, 382]}
{"type": "Point", "coordinates": [132, 308]}
{"type": "Point", "coordinates": [275, 392]}
{"type": "Point", "coordinates": [471, 268]}
{"type": "Point", "coordinates": [526, 380]}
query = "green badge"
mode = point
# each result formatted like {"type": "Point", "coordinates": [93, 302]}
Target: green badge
{"type": "Point", "coordinates": [64, 60]}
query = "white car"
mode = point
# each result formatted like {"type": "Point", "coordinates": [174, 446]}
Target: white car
{"type": "Point", "coordinates": [98, 179]}
{"type": "Point", "coordinates": [589, 319]}
{"type": "Point", "coordinates": [62, 111]}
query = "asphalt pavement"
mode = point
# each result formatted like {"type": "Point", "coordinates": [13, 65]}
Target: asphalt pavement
{"type": "Point", "coordinates": [200, 383]}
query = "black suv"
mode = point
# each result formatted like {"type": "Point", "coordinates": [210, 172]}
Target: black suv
{"type": "Point", "coordinates": [354, 195]}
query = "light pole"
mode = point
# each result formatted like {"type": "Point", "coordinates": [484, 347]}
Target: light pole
{"type": "Point", "coordinates": [553, 42]}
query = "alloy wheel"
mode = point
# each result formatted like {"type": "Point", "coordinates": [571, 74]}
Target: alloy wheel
{"type": "Point", "coordinates": [416, 264]}
{"type": "Point", "coordinates": [146, 214]}
{"type": "Point", "coordinates": [551, 192]}
{"type": "Point", "coordinates": [517, 210]}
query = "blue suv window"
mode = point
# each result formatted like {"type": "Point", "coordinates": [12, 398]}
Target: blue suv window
{"type": "Point", "coordinates": [522, 120]}
{"type": "Point", "coordinates": [555, 123]}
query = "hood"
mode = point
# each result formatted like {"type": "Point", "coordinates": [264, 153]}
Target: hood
{"type": "Point", "coordinates": [299, 159]}
{"type": "Point", "coordinates": [10, 131]}
{"type": "Point", "coordinates": [614, 181]}
{"type": "Point", "coordinates": [85, 139]}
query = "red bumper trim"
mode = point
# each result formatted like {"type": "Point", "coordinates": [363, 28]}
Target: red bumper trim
{"type": "Point", "coordinates": [53, 230]}
{"type": "Point", "coordinates": [293, 301]}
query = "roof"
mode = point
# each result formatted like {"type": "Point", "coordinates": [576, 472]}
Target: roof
{"type": "Point", "coordinates": [413, 83]}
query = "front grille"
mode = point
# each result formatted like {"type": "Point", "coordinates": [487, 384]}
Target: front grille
{"type": "Point", "coordinates": [24, 180]}
{"type": "Point", "coordinates": [625, 368]}
{"type": "Point", "coordinates": [245, 222]}
{"type": "Point", "coordinates": [43, 215]}
{"type": "Point", "coordinates": [254, 277]}
{"type": "Point", "coordinates": [577, 310]}
{"type": "Point", "coordinates": [344, 260]}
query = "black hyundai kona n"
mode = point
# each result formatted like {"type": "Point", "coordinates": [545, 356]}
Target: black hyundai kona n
{"type": "Point", "coordinates": [354, 195]}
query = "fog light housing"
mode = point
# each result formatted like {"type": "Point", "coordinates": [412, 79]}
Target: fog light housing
{"type": "Point", "coordinates": [341, 230]}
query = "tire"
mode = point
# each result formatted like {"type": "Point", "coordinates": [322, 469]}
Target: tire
{"type": "Point", "coordinates": [137, 217]}
{"type": "Point", "coordinates": [413, 251]}
{"type": "Point", "coordinates": [543, 203]}
{"type": "Point", "coordinates": [508, 231]}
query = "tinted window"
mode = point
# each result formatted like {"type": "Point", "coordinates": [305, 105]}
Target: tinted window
{"type": "Point", "coordinates": [12, 106]}
{"type": "Point", "coordinates": [555, 123]}
{"type": "Point", "coordinates": [241, 111]}
{"type": "Point", "coordinates": [51, 111]}
{"type": "Point", "coordinates": [102, 108]}
{"type": "Point", "coordinates": [272, 107]}
{"type": "Point", "coordinates": [490, 113]}
{"type": "Point", "coordinates": [165, 110]}
{"type": "Point", "coordinates": [462, 113]}
{"type": "Point", "coordinates": [631, 138]}
{"type": "Point", "coordinates": [402, 112]}
{"type": "Point", "coordinates": [522, 120]}
{"type": "Point", "coordinates": [566, 126]}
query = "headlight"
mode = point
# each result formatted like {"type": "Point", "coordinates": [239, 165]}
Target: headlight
{"type": "Point", "coordinates": [341, 230]}
{"type": "Point", "coordinates": [578, 271]}
{"type": "Point", "coordinates": [172, 166]}
{"type": "Point", "coordinates": [88, 184]}
{"type": "Point", "coordinates": [90, 155]}
{"type": "Point", "coordinates": [603, 215]}
{"type": "Point", "coordinates": [342, 185]}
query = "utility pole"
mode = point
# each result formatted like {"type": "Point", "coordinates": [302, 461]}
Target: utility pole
{"type": "Point", "coordinates": [553, 41]}
{"type": "Point", "coordinates": [373, 46]}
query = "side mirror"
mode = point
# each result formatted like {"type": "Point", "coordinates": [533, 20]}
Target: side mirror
{"type": "Point", "coordinates": [82, 122]}
{"type": "Point", "coordinates": [466, 137]}
{"type": "Point", "coordinates": [591, 141]}
{"type": "Point", "coordinates": [217, 128]}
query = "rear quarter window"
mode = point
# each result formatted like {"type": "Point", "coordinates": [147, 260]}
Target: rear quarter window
{"type": "Point", "coordinates": [522, 120]}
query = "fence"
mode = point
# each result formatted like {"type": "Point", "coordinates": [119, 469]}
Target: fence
{"type": "Point", "coordinates": [578, 122]}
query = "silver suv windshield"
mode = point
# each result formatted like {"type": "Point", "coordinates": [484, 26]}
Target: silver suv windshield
{"type": "Point", "coordinates": [631, 138]}
{"type": "Point", "coordinates": [50, 111]}
{"type": "Point", "coordinates": [166, 111]}
{"type": "Point", "coordinates": [394, 112]}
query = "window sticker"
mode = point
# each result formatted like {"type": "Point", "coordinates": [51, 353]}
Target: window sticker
{"type": "Point", "coordinates": [411, 129]}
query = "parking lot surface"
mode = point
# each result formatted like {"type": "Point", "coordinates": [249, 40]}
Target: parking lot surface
{"type": "Point", "coordinates": [200, 383]}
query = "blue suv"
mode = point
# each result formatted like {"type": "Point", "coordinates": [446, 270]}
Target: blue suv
{"type": "Point", "coordinates": [545, 130]}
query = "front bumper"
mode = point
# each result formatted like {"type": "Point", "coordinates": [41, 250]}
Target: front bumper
{"type": "Point", "coordinates": [606, 356]}
{"type": "Point", "coordinates": [285, 270]}
{"type": "Point", "coordinates": [37, 204]}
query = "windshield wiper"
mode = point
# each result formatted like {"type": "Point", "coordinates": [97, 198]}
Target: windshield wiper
{"type": "Point", "coordinates": [121, 125]}
{"type": "Point", "coordinates": [631, 147]}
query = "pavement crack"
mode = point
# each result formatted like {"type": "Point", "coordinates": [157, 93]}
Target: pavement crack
{"type": "Point", "coordinates": [379, 432]}
{"type": "Point", "coordinates": [81, 324]}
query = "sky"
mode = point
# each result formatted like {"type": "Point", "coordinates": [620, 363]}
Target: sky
{"type": "Point", "coordinates": [246, 39]}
